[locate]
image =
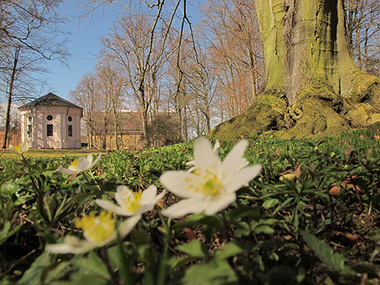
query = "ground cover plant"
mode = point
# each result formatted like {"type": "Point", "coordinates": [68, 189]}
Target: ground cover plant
{"type": "Point", "coordinates": [309, 214]}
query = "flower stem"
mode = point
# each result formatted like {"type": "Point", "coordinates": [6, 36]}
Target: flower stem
{"type": "Point", "coordinates": [31, 178]}
{"type": "Point", "coordinates": [97, 185]}
{"type": "Point", "coordinates": [225, 234]}
{"type": "Point", "coordinates": [88, 181]}
{"type": "Point", "coordinates": [85, 176]}
{"type": "Point", "coordinates": [124, 271]}
{"type": "Point", "coordinates": [110, 271]}
{"type": "Point", "coordinates": [163, 262]}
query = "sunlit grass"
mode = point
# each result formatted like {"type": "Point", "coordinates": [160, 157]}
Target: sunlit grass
{"type": "Point", "coordinates": [51, 153]}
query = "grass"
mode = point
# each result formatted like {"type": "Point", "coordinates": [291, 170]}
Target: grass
{"type": "Point", "coordinates": [51, 153]}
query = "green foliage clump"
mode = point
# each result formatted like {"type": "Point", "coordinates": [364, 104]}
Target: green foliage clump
{"type": "Point", "coordinates": [310, 217]}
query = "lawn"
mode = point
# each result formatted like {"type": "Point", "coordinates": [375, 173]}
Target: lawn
{"type": "Point", "coordinates": [52, 153]}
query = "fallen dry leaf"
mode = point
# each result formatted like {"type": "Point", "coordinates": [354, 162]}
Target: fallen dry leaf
{"type": "Point", "coordinates": [334, 191]}
{"type": "Point", "coordinates": [350, 182]}
{"type": "Point", "coordinates": [190, 234]}
{"type": "Point", "coordinates": [291, 174]}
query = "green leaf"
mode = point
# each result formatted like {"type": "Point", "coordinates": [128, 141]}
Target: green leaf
{"type": "Point", "coordinates": [242, 229]}
{"type": "Point", "coordinates": [81, 278]}
{"type": "Point", "coordinates": [216, 272]}
{"type": "Point", "coordinates": [57, 272]}
{"type": "Point", "coordinates": [194, 249]}
{"type": "Point", "coordinates": [263, 229]}
{"type": "Point", "coordinates": [92, 265]}
{"type": "Point", "coordinates": [270, 203]}
{"type": "Point", "coordinates": [249, 212]}
{"type": "Point", "coordinates": [333, 261]}
{"type": "Point", "coordinates": [4, 232]}
{"type": "Point", "coordinates": [229, 250]}
{"type": "Point", "coordinates": [199, 219]}
{"type": "Point", "coordinates": [175, 262]}
{"type": "Point", "coordinates": [270, 221]}
{"type": "Point", "coordinates": [33, 274]}
{"type": "Point", "coordinates": [209, 225]}
{"type": "Point", "coordinates": [9, 188]}
{"type": "Point", "coordinates": [120, 260]}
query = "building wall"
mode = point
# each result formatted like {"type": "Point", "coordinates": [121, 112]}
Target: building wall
{"type": "Point", "coordinates": [126, 141]}
{"type": "Point", "coordinates": [14, 139]}
{"type": "Point", "coordinates": [35, 125]}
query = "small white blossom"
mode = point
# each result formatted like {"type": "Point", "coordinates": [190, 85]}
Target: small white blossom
{"type": "Point", "coordinates": [98, 231]}
{"type": "Point", "coordinates": [212, 185]}
{"type": "Point", "coordinates": [132, 203]}
{"type": "Point", "coordinates": [80, 165]}
{"type": "Point", "coordinates": [19, 149]}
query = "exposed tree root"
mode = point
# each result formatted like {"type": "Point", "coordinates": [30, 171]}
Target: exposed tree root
{"type": "Point", "coordinates": [318, 111]}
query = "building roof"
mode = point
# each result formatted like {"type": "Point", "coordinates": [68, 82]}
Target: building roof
{"type": "Point", "coordinates": [49, 99]}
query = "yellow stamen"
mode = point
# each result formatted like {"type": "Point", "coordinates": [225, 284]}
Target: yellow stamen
{"type": "Point", "coordinates": [211, 187]}
{"type": "Point", "coordinates": [74, 164]}
{"type": "Point", "coordinates": [17, 147]}
{"type": "Point", "coordinates": [133, 201]}
{"type": "Point", "coordinates": [209, 183]}
{"type": "Point", "coordinates": [97, 229]}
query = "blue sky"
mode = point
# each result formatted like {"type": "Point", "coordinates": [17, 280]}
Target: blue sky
{"type": "Point", "coordinates": [84, 44]}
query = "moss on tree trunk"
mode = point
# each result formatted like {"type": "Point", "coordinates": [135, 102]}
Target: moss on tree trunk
{"type": "Point", "coordinates": [312, 84]}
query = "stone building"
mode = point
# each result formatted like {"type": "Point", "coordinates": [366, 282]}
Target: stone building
{"type": "Point", "coordinates": [51, 122]}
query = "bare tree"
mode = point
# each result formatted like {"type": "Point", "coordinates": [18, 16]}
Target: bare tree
{"type": "Point", "coordinates": [202, 85]}
{"type": "Point", "coordinates": [111, 86]}
{"type": "Point", "coordinates": [233, 34]}
{"type": "Point", "coordinates": [85, 95]}
{"type": "Point", "coordinates": [137, 46]}
{"type": "Point", "coordinates": [27, 38]}
{"type": "Point", "coordinates": [363, 29]}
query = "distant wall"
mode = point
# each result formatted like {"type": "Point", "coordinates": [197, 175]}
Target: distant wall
{"type": "Point", "coordinates": [125, 141]}
{"type": "Point", "coordinates": [15, 138]}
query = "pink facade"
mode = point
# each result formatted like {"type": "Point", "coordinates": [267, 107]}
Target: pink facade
{"type": "Point", "coordinates": [51, 122]}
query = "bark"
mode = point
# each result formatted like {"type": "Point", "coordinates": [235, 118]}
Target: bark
{"type": "Point", "coordinates": [115, 124]}
{"type": "Point", "coordinates": [10, 98]}
{"type": "Point", "coordinates": [312, 83]}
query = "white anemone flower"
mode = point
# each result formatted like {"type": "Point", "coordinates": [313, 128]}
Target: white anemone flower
{"type": "Point", "coordinates": [215, 149]}
{"type": "Point", "coordinates": [211, 187]}
{"type": "Point", "coordinates": [132, 203]}
{"type": "Point", "coordinates": [98, 231]}
{"type": "Point", "coordinates": [19, 149]}
{"type": "Point", "coordinates": [80, 165]}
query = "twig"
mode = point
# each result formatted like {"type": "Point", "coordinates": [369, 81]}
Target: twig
{"type": "Point", "coordinates": [21, 259]}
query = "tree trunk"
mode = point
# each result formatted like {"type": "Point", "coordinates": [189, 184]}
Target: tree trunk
{"type": "Point", "coordinates": [312, 84]}
{"type": "Point", "coordinates": [144, 105]}
{"type": "Point", "coordinates": [115, 124]}
{"type": "Point", "coordinates": [10, 98]}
